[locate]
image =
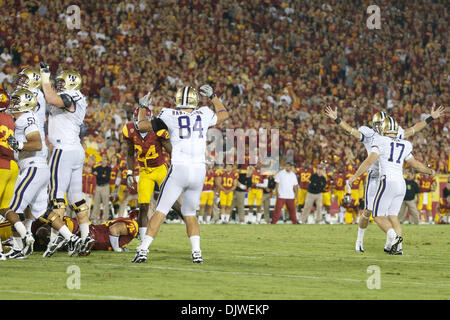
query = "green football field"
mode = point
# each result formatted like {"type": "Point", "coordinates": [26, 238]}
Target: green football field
{"type": "Point", "coordinates": [246, 262]}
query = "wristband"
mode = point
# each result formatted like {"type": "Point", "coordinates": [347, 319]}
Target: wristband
{"type": "Point", "coordinates": [337, 120]}
{"type": "Point", "coordinates": [129, 172]}
{"type": "Point", "coordinates": [429, 119]}
{"type": "Point", "coordinates": [212, 96]}
{"type": "Point", "coordinates": [20, 146]}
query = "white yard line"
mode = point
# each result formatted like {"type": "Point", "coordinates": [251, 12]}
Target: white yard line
{"type": "Point", "coordinates": [70, 294]}
{"type": "Point", "coordinates": [257, 274]}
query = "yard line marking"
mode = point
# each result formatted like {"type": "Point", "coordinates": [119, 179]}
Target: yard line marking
{"type": "Point", "coordinates": [69, 294]}
{"type": "Point", "coordinates": [268, 274]}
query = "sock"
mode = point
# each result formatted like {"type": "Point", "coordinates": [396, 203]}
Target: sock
{"type": "Point", "coordinates": [53, 234]}
{"type": "Point", "coordinates": [200, 218]}
{"type": "Point", "coordinates": [17, 243]}
{"type": "Point", "coordinates": [208, 218]}
{"type": "Point", "coordinates": [146, 242]}
{"type": "Point", "coordinates": [28, 223]}
{"type": "Point", "coordinates": [114, 240]}
{"type": "Point", "coordinates": [227, 218]}
{"type": "Point", "coordinates": [65, 232]}
{"type": "Point", "coordinates": [20, 228]}
{"type": "Point", "coordinates": [142, 232]}
{"type": "Point", "coordinates": [258, 216]}
{"type": "Point", "coordinates": [195, 243]}
{"type": "Point", "coordinates": [84, 230]}
{"type": "Point", "coordinates": [361, 234]}
{"type": "Point", "coordinates": [390, 235]}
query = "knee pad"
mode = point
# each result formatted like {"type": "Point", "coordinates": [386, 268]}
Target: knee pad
{"type": "Point", "coordinates": [80, 206]}
{"type": "Point", "coordinates": [53, 204]}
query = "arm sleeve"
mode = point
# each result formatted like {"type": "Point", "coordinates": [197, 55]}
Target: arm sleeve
{"type": "Point", "coordinates": [366, 132]}
{"type": "Point", "coordinates": [158, 124]}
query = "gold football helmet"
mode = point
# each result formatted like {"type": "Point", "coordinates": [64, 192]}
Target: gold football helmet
{"type": "Point", "coordinates": [22, 100]}
{"type": "Point", "coordinates": [68, 80]}
{"type": "Point", "coordinates": [389, 125]}
{"type": "Point", "coordinates": [377, 120]}
{"type": "Point", "coordinates": [29, 78]}
{"type": "Point", "coordinates": [187, 97]}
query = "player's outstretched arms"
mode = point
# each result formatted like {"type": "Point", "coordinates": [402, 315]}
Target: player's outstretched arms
{"type": "Point", "coordinates": [221, 112]}
{"type": "Point", "coordinates": [434, 114]}
{"type": "Point", "coordinates": [333, 115]}
{"type": "Point", "coordinates": [143, 124]}
{"type": "Point", "coordinates": [419, 166]}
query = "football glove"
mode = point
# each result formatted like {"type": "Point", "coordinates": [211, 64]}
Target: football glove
{"type": "Point", "coordinates": [14, 144]}
{"type": "Point", "coordinates": [207, 91]}
{"type": "Point", "coordinates": [45, 72]}
{"type": "Point", "coordinates": [145, 101]}
{"type": "Point", "coordinates": [130, 179]}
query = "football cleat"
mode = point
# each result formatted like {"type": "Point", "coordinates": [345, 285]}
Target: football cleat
{"type": "Point", "coordinates": [385, 249]}
{"type": "Point", "coordinates": [73, 245]}
{"type": "Point", "coordinates": [197, 257]}
{"type": "Point", "coordinates": [86, 246]}
{"type": "Point", "coordinates": [395, 244]}
{"type": "Point", "coordinates": [28, 245]}
{"type": "Point", "coordinates": [8, 243]}
{"type": "Point", "coordinates": [359, 246]}
{"type": "Point", "coordinates": [141, 256]}
{"type": "Point", "coordinates": [15, 254]}
{"type": "Point", "coordinates": [53, 246]}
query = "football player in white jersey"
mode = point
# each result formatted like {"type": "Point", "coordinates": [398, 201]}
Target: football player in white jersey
{"type": "Point", "coordinates": [30, 79]}
{"type": "Point", "coordinates": [187, 126]}
{"type": "Point", "coordinates": [391, 152]}
{"type": "Point", "coordinates": [67, 110]}
{"type": "Point", "coordinates": [366, 136]}
{"type": "Point", "coordinates": [31, 155]}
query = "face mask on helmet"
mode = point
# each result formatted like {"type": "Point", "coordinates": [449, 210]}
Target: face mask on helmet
{"type": "Point", "coordinates": [22, 101]}
{"type": "Point", "coordinates": [347, 199]}
{"type": "Point", "coordinates": [136, 114]}
{"type": "Point", "coordinates": [29, 78]}
{"type": "Point", "coordinates": [377, 121]}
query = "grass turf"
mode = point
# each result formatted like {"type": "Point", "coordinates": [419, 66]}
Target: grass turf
{"type": "Point", "coordinates": [246, 262]}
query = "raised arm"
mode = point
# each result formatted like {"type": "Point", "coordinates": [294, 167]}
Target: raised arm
{"type": "Point", "coordinates": [53, 98]}
{"type": "Point", "coordinates": [332, 114]}
{"type": "Point", "coordinates": [365, 165]}
{"type": "Point", "coordinates": [219, 108]}
{"type": "Point", "coordinates": [420, 125]}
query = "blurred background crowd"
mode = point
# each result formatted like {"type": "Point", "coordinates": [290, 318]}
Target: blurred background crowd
{"type": "Point", "coordinates": [274, 64]}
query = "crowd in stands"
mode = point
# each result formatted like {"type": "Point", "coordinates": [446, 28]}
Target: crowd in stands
{"type": "Point", "coordinates": [274, 64]}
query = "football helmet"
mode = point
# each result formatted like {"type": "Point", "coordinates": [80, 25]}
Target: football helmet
{"type": "Point", "coordinates": [347, 200]}
{"type": "Point", "coordinates": [133, 214]}
{"type": "Point", "coordinates": [29, 78]}
{"type": "Point", "coordinates": [389, 126]}
{"type": "Point", "coordinates": [68, 80]}
{"type": "Point", "coordinates": [377, 120]}
{"type": "Point", "coordinates": [22, 101]}
{"type": "Point", "coordinates": [4, 100]}
{"type": "Point", "coordinates": [187, 97]}
{"type": "Point", "coordinates": [136, 114]}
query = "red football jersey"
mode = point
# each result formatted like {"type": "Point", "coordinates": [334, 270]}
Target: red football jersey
{"type": "Point", "coordinates": [339, 183]}
{"type": "Point", "coordinates": [208, 185]}
{"type": "Point", "coordinates": [304, 176]}
{"type": "Point", "coordinates": [114, 171]}
{"type": "Point", "coordinates": [149, 151]}
{"type": "Point", "coordinates": [257, 177]}
{"type": "Point", "coordinates": [89, 183]}
{"type": "Point", "coordinates": [228, 179]}
{"type": "Point", "coordinates": [100, 233]}
{"type": "Point", "coordinates": [425, 183]}
{"type": "Point", "coordinates": [6, 130]}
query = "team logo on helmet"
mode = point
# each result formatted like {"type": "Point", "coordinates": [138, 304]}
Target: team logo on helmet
{"type": "Point", "coordinates": [22, 101]}
{"type": "Point", "coordinates": [187, 97]}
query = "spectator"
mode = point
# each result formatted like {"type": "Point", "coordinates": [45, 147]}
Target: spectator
{"type": "Point", "coordinates": [410, 200]}
{"type": "Point", "coordinates": [101, 194]}
{"type": "Point", "coordinates": [89, 183]}
{"type": "Point", "coordinates": [286, 188]}
{"type": "Point", "coordinates": [317, 183]}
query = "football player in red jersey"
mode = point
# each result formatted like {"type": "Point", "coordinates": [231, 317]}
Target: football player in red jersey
{"type": "Point", "coordinates": [147, 149]}
{"type": "Point", "coordinates": [9, 171]}
{"type": "Point", "coordinates": [113, 235]}
{"type": "Point", "coordinates": [426, 184]}
{"type": "Point", "coordinates": [304, 174]}
{"type": "Point", "coordinates": [207, 196]}
{"type": "Point", "coordinates": [228, 183]}
{"type": "Point", "coordinates": [255, 193]}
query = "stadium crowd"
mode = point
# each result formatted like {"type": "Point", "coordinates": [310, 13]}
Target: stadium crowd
{"type": "Point", "coordinates": [275, 64]}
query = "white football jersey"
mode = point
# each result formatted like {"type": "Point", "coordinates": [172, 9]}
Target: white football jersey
{"type": "Point", "coordinates": [64, 126]}
{"type": "Point", "coordinates": [367, 137]}
{"type": "Point", "coordinates": [188, 133]}
{"type": "Point", "coordinates": [24, 125]}
{"type": "Point", "coordinates": [392, 154]}
{"type": "Point", "coordinates": [41, 107]}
